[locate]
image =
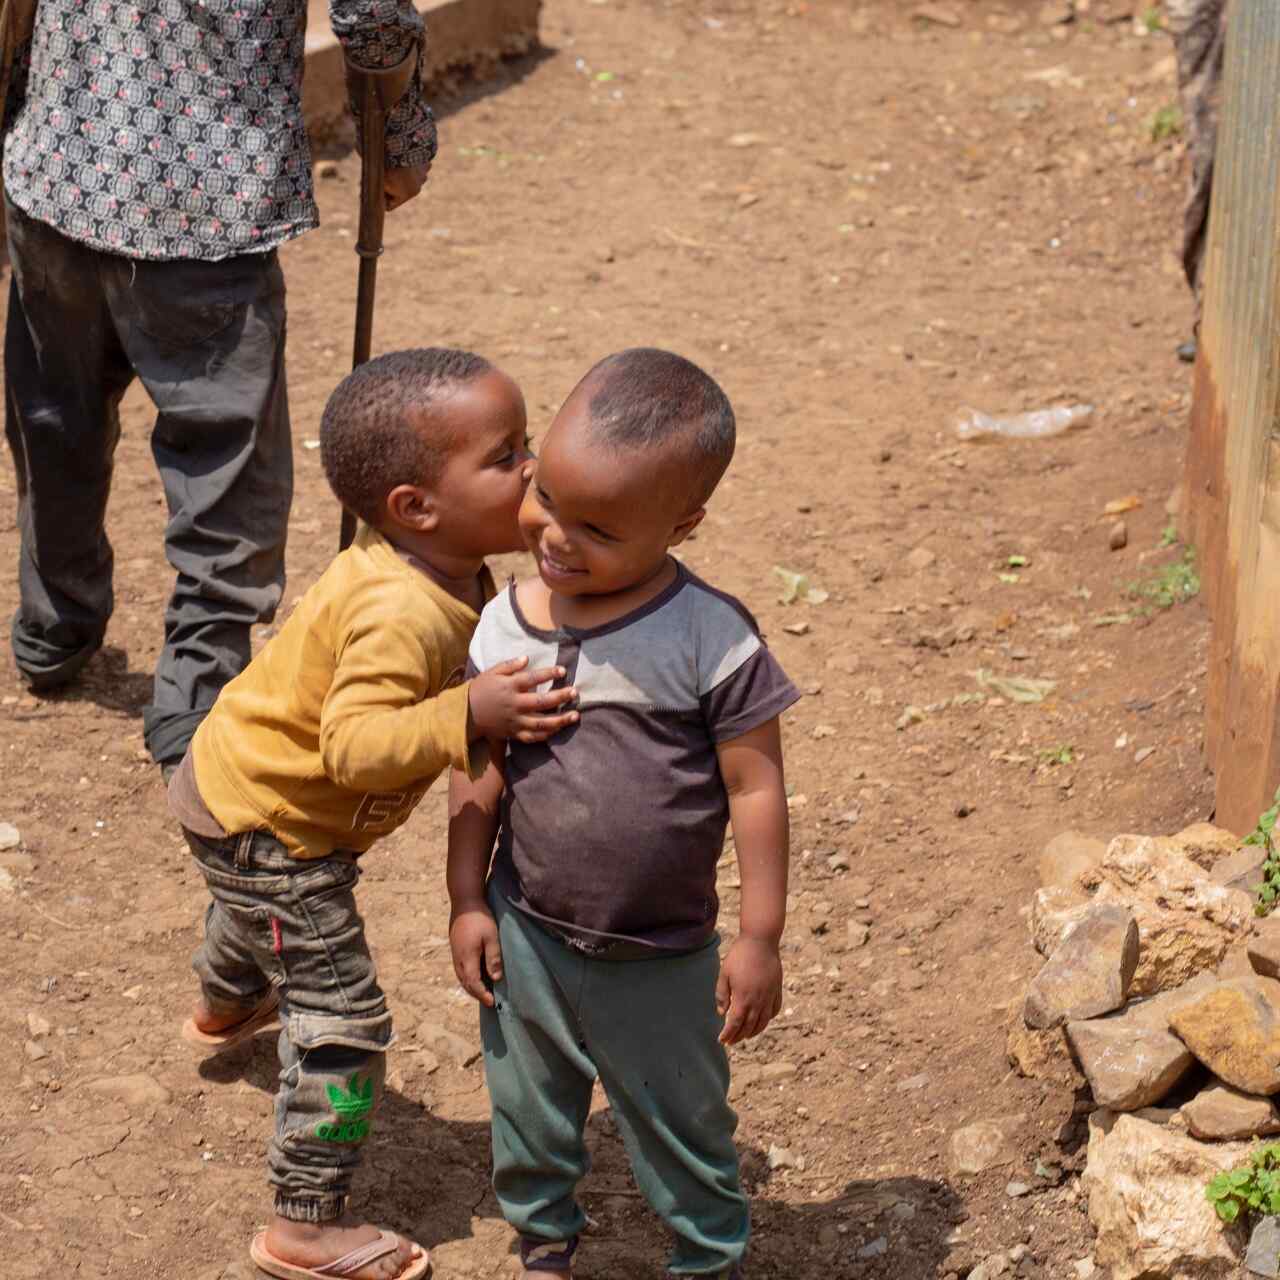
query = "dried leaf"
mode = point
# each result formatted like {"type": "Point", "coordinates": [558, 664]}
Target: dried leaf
{"type": "Point", "coordinates": [1117, 506]}
{"type": "Point", "coordinates": [1015, 688]}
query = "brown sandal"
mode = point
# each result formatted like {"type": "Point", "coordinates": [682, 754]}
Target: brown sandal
{"type": "Point", "coordinates": [220, 1041]}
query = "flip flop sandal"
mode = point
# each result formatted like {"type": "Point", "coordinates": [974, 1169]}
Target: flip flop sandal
{"type": "Point", "coordinates": [387, 1242]}
{"type": "Point", "coordinates": [220, 1041]}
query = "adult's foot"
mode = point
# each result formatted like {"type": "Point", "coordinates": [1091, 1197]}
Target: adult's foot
{"type": "Point", "coordinates": [1187, 351]}
{"type": "Point", "coordinates": [317, 1244]}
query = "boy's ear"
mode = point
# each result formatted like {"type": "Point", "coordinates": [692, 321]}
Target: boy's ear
{"type": "Point", "coordinates": [412, 508]}
{"type": "Point", "coordinates": [686, 527]}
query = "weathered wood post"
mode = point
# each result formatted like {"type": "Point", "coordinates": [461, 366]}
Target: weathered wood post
{"type": "Point", "coordinates": [1232, 507]}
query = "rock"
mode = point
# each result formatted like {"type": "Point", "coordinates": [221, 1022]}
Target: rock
{"type": "Point", "coordinates": [913, 1083]}
{"type": "Point", "coordinates": [1131, 1059]}
{"type": "Point", "coordinates": [1242, 870]}
{"type": "Point", "coordinates": [782, 1158]}
{"type": "Point", "coordinates": [986, 1144]}
{"type": "Point", "coordinates": [34, 1051]}
{"type": "Point", "coordinates": [1053, 913]}
{"type": "Point", "coordinates": [875, 1248]}
{"type": "Point", "coordinates": [939, 14]}
{"type": "Point", "coordinates": [1234, 1029]}
{"type": "Point", "coordinates": [1146, 1186]}
{"type": "Point", "coordinates": [1085, 1268]}
{"type": "Point", "coordinates": [996, 1265]}
{"type": "Point", "coordinates": [856, 934]}
{"type": "Point", "coordinates": [1264, 947]}
{"type": "Point", "coordinates": [1016, 1190]}
{"type": "Point", "coordinates": [450, 1046]}
{"type": "Point", "coordinates": [1186, 922]}
{"type": "Point", "coordinates": [1263, 1258]}
{"type": "Point", "coordinates": [10, 837]}
{"type": "Point", "coordinates": [7, 883]}
{"type": "Point", "coordinates": [38, 1026]}
{"type": "Point", "coordinates": [1067, 857]}
{"type": "Point", "coordinates": [919, 559]}
{"type": "Point", "coordinates": [1040, 1055]}
{"type": "Point", "coordinates": [1220, 1113]}
{"type": "Point", "coordinates": [17, 864]}
{"type": "Point", "coordinates": [1118, 536]}
{"type": "Point", "coordinates": [1089, 973]}
{"type": "Point", "coordinates": [1205, 844]}
{"type": "Point", "coordinates": [134, 1091]}
{"type": "Point", "coordinates": [778, 1070]}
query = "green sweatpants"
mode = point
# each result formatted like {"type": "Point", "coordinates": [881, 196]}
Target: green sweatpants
{"type": "Point", "coordinates": [649, 1029]}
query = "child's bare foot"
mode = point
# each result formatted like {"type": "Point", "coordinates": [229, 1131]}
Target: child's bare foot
{"type": "Point", "coordinates": [215, 1032]}
{"type": "Point", "coordinates": [212, 1023]}
{"type": "Point", "coordinates": [317, 1244]}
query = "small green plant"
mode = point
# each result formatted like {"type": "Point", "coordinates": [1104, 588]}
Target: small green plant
{"type": "Point", "coordinates": [1262, 836]}
{"type": "Point", "coordinates": [1152, 19]}
{"type": "Point", "coordinates": [1063, 754]}
{"type": "Point", "coordinates": [1253, 1188]}
{"type": "Point", "coordinates": [1174, 584]}
{"type": "Point", "coordinates": [1169, 534]}
{"type": "Point", "coordinates": [1166, 123]}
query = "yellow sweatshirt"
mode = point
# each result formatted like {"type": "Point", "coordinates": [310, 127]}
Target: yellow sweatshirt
{"type": "Point", "coordinates": [334, 732]}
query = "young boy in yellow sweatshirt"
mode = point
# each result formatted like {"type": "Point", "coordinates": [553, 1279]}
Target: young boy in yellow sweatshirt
{"type": "Point", "coordinates": [326, 742]}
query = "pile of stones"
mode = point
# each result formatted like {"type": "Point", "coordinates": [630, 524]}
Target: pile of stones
{"type": "Point", "coordinates": [1160, 987]}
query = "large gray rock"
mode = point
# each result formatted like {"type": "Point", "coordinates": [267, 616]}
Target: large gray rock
{"type": "Point", "coordinates": [1263, 1258]}
{"type": "Point", "coordinates": [1145, 1184]}
{"type": "Point", "coordinates": [1089, 973]}
{"type": "Point", "coordinates": [1219, 1113]}
{"type": "Point", "coordinates": [1186, 922]}
{"type": "Point", "coordinates": [1131, 1059]}
{"type": "Point", "coordinates": [1234, 1029]}
{"type": "Point", "coordinates": [1264, 947]}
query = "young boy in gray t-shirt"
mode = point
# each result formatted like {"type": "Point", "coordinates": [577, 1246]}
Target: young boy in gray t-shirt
{"type": "Point", "coordinates": [590, 941]}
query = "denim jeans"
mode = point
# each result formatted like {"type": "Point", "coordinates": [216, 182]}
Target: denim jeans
{"type": "Point", "coordinates": [207, 341]}
{"type": "Point", "coordinates": [293, 923]}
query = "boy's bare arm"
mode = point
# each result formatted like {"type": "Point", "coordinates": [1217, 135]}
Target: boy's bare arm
{"type": "Point", "coordinates": [749, 993]}
{"type": "Point", "coordinates": [473, 932]}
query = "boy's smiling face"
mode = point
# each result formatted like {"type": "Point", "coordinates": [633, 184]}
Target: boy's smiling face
{"type": "Point", "coordinates": [599, 520]}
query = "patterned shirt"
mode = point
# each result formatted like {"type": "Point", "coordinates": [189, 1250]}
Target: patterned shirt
{"type": "Point", "coordinates": [166, 129]}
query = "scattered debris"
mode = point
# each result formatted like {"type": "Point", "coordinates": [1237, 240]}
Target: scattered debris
{"type": "Point", "coordinates": [1118, 537]}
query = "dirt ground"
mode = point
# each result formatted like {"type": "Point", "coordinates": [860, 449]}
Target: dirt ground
{"type": "Point", "coordinates": [860, 220]}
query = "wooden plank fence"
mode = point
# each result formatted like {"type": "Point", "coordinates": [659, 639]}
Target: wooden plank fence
{"type": "Point", "coordinates": [1232, 499]}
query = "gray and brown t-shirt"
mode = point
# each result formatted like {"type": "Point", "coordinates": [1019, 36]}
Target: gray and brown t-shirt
{"type": "Point", "coordinates": [612, 829]}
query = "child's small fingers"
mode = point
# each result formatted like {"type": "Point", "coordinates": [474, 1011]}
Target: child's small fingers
{"type": "Point", "coordinates": [532, 679]}
{"type": "Point", "coordinates": [511, 666]}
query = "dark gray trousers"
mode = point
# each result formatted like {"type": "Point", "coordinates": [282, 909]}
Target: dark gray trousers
{"type": "Point", "coordinates": [207, 341]}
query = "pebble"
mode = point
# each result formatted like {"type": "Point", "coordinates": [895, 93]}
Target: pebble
{"type": "Point", "coordinates": [912, 1083]}
{"type": "Point", "coordinates": [797, 629]}
{"type": "Point", "coordinates": [1085, 1268]}
{"type": "Point", "coordinates": [1118, 538]}
{"type": "Point", "coordinates": [1142, 754]}
{"type": "Point", "coordinates": [838, 862]}
{"type": "Point", "coordinates": [920, 558]}
{"type": "Point", "coordinates": [1018, 1252]}
{"type": "Point", "coordinates": [34, 1051]}
{"type": "Point", "coordinates": [38, 1026]}
{"type": "Point", "coordinates": [10, 837]}
{"type": "Point", "coordinates": [783, 1158]}
{"type": "Point", "coordinates": [1016, 1189]}
{"type": "Point", "coordinates": [7, 882]}
{"type": "Point", "coordinates": [138, 1091]}
{"type": "Point", "coordinates": [875, 1248]}
{"type": "Point", "coordinates": [778, 1070]}
{"type": "Point", "coordinates": [856, 934]}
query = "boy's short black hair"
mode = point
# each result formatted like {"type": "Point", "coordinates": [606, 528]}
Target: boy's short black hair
{"type": "Point", "coordinates": [367, 443]}
{"type": "Point", "coordinates": [646, 398]}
